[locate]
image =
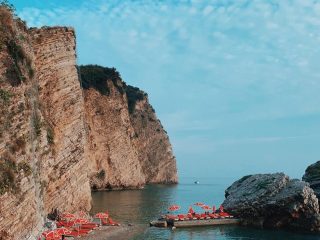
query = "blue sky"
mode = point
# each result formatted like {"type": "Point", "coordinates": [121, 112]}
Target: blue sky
{"type": "Point", "coordinates": [235, 83]}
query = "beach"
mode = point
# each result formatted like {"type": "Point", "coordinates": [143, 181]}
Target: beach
{"type": "Point", "coordinates": [114, 232]}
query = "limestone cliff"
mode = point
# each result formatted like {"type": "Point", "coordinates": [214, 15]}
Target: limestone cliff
{"type": "Point", "coordinates": [154, 149]}
{"type": "Point", "coordinates": [19, 183]}
{"type": "Point", "coordinates": [64, 163]}
{"type": "Point", "coordinates": [113, 159]}
{"type": "Point", "coordinates": [56, 138]}
{"type": "Point", "coordinates": [128, 146]}
{"type": "Point", "coordinates": [42, 141]}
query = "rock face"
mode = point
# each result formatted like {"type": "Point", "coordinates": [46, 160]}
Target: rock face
{"type": "Point", "coordinates": [21, 205]}
{"type": "Point", "coordinates": [113, 159]}
{"type": "Point", "coordinates": [273, 200]}
{"type": "Point", "coordinates": [312, 176]}
{"type": "Point", "coordinates": [64, 164]}
{"type": "Point", "coordinates": [42, 135]}
{"type": "Point", "coordinates": [154, 149]}
{"type": "Point", "coordinates": [127, 144]}
{"type": "Point", "coordinates": [57, 138]}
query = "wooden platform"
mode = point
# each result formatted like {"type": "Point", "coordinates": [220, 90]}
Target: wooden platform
{"type": "Point", "coordinates": [206, 222]}
{"type": "Point", "coordinates": [159, 223]}
{"type": "Point", "coordinates": [194, 223]}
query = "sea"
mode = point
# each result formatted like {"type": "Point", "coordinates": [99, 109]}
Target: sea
{"type": "Point", "coordinates": [139, 207]}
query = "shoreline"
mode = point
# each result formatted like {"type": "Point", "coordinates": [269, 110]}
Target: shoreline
{"type": "Point", "coordinates": [121, 232]}
{"type": "Point", "coordinates": [133, 188]}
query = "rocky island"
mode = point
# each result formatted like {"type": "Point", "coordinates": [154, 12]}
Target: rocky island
{"type": "Point", "coordinates": [276, 201]}
{"type": "Point", "coordinates": [67, 130]}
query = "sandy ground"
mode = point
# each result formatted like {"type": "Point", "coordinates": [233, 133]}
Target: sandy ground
{"type": "Point", "coordinates": [113, 233]}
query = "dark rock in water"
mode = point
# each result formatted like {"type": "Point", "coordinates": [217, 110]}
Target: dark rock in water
{"type": "Point", "coordinates": [312, 176]}
{"type": "Point", "coordinates": [273, 200]}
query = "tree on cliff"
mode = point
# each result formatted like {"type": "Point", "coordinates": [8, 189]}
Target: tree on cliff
{"type": "Point", "coordinates": [6, 21]}
{"type": "Point", "coordinates": [8, 5]}
{"type": "Point", "coordinates": [94, 76]}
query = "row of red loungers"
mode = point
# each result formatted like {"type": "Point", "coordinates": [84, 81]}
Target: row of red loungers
{"type": "Point", "coordinates": [202, 216]}
{"type": "Point", "coordinates": [84, 228]}
{"type": "Point", "coordinates": [81, 230]}
{"type": "Point", "coordinates": [72, 232]}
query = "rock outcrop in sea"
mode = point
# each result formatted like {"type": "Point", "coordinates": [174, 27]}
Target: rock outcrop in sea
{"type": "Point", "coordinates": [57, 141]}
{"type": "Point", "coordinates": [273, 201]}
{"type": "Point", "coordinates": [312, 176]}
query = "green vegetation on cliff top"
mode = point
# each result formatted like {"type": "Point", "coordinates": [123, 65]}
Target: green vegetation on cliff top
{"type": "Point", "coordinates": [97, 77]}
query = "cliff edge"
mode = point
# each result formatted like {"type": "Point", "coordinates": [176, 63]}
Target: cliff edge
{"type": "Point", "coordinates": [61, 137]}
{"type": "Point", "coordinates": [42, 132]}
{"type": "Point", "coordinates": [128, 146]}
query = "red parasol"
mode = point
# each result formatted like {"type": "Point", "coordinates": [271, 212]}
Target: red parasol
{"type": "Point", "coordinates": [62, 231]}
{"type": "Point", "coordinates": [81, 221]}
{"type": "Point", "coordinates": [174, 208]}
{"type": "Point", "coordinates": [50, 234]}
{"type": "Point", "coordinates": [199, 204]}
{"type": "Point", "coordinates": [205, 207]}
{"type": "Point", "coordinates": [191, 211]}
{"type": "Point", "coordinates": [67, 215]}
{"type": "Point", "coordinates": [101, 215]}
{"type": "Point", "coordinates": [82, 214]}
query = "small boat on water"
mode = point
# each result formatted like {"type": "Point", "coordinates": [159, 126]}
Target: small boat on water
{"type": "Point", "coordinates": [196, 182]}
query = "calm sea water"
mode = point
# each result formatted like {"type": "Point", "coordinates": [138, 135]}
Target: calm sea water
{"type": "Point", "coordinates": [140, 206]}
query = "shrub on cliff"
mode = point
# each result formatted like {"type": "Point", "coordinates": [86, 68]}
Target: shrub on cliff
{"type": "Point", "coordinates": [25, 167]}
{"type": "Point", "coordinates": [5, 96]}
{"type": "Point", "coordinates": [6, 21]}
{"type": "Point", "coordinates": [101, 174]}
{"type": "Point", "coordinates": [19, 65]}
{"type": "Point", "coordinates": [37, 124]}
{"type": "Point", "coordinates": [7, 173]}
{"type": "Point", "coordinates": [97, 77]}
{"type": "Point", "coordinates": [134, 94]}
{"type": "Point", "coordinates": [94, 76]}
{"type": "Point", "coordinates": [50, 135]}
{"type": "Point", "coordinates": [8, 5]}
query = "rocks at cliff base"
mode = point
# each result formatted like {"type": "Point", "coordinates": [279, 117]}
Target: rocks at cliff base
{"type": "Point", "coordinates": [312, 176]}
{"type": "Point", "coordinates": [273, 200]}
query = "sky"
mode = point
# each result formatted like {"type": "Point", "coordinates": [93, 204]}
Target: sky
{"type": "Point", "coordinates": [234, 82]}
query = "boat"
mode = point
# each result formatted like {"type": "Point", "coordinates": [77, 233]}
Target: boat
{"type": "Point", "coordinates": [194, 220]}
{"type": "Point", "coordinates": [196, 182]}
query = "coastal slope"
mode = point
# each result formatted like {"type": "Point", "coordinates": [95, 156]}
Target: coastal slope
{"type": "Point", "coordinates": [154, 149]}
{"type": "Point", "coordinates": [42, 143]}
{"type": "Point", "coordinates": [60, 139]}
{"type": "Point", "coordinates": [128, 146]}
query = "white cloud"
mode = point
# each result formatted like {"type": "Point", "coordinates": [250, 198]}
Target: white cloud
{"type": "Point", "coordinates": [207, 10]}
{"type": "Point", "coordinates": [206, 67]}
